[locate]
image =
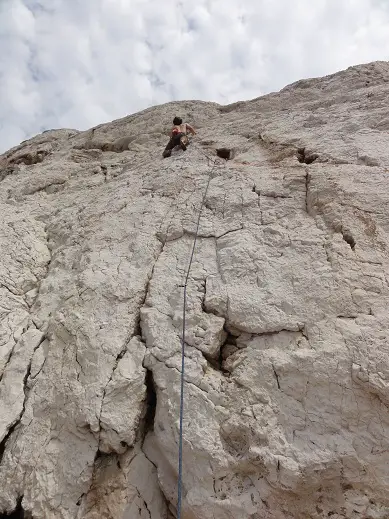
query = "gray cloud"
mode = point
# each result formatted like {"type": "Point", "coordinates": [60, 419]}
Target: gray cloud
{"type": "Point", "coordinates": [77, 63]}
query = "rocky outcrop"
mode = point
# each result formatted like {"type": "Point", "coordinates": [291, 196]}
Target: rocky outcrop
{"type": "Point", "coordinates": [287, 353]}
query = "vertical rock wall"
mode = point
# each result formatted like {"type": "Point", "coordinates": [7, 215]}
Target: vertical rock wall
{"type": "Point", "coordinates": [287, 381]}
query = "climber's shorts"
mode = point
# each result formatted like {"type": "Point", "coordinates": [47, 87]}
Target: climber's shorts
{"type": "Point", "coordinates": [174, 141]}
{"type": "Point", "coordinates": [177, 138]}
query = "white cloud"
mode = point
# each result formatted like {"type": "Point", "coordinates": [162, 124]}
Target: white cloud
{"type": "Point", "coordinates": [77, 63]}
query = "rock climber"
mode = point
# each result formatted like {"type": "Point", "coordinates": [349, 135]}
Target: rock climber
{"type": "Point", "coordinates": [178, 136]}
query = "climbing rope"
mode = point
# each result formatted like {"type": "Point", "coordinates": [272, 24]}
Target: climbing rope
{"type": "Point", "coordinates": [179, 499]}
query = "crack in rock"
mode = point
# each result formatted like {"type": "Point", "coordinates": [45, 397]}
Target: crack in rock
{"type": "Point", "coordinates": [10, 428]}
{"type": "Point", "coordinates": [348, 238]}
{"type": "Point", "coordinates": [137, 332]}
{"type": "Point", "coordinates": [276, 377]}
{"type": "Point", "coordinates": [150, 405]}
{"type": "Point", "coordinates": [307, 182]}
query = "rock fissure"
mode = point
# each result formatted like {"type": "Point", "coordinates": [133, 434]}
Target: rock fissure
{"type": "Point", "coordinates": [16, 421]}
{"type": "Point", "coordinates": [258, 193]}
{"type": "Point", "coordinates": [79, 364]}
{"type": "Point", "coordinates": [187, 381]}
{"type": "Point", "coordinates": [150, 405]}
{"type": "Point", "coordinates": [136, 332]}
{"type": "Point", "coordinates": [307, 182]}
{"type": "Point", "coordinates": [3, 443]}
{"type": "Point", "coordinates": [13, 291]}
{"type": "Point", "coordinates": [7, 360]}
{"type": "Point", "coordinates": [348, 238]}
{"type": "Point", "coordinates": [276, 377]}
{"type": "Point", "coordinates": [144, 504]}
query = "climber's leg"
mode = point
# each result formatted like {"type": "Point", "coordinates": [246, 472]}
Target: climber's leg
{"type": "Point", "coordinates": [184, 142]}
{"type": "Point", "coordinates": [174, 141]}
{"type": "Point", "coordinates": [168, 150]}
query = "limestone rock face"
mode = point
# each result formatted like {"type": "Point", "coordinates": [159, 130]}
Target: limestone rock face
{"type": "Point", "coordinates": [287, 352]}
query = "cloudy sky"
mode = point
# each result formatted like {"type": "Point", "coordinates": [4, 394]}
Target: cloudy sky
{"type": "Point", "coordinates": [77, 63]}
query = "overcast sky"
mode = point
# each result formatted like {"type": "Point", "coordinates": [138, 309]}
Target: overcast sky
{"type": "Point", "coordinates": [78, 63]}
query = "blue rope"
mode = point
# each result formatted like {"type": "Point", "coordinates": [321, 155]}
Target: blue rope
{"type": "Point", "coordinates": [179, 500]}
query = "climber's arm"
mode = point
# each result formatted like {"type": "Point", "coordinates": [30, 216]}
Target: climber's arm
{"type": "Point", "coordinates": [191, 129]}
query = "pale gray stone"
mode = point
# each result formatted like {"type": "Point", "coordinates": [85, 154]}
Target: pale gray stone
{"type": "Point", "coordinates": [287, 350]}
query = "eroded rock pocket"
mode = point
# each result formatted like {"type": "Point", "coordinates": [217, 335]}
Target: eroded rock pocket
{"type": "Point", "coordinates": [117, 146]}
{"type": "Point", "coordinates": [29, 158]}
{"type": "Point", "coordinates": [306, 158]}
{"type": "Point", "coordinates": [224, 153]}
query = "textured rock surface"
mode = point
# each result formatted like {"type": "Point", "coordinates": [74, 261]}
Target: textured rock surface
{"type": "Point", "coordinates": [287, 381]}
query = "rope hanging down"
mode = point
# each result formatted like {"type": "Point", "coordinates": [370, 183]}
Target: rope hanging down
{"type": "Point", "coordinates": [179, 500]}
